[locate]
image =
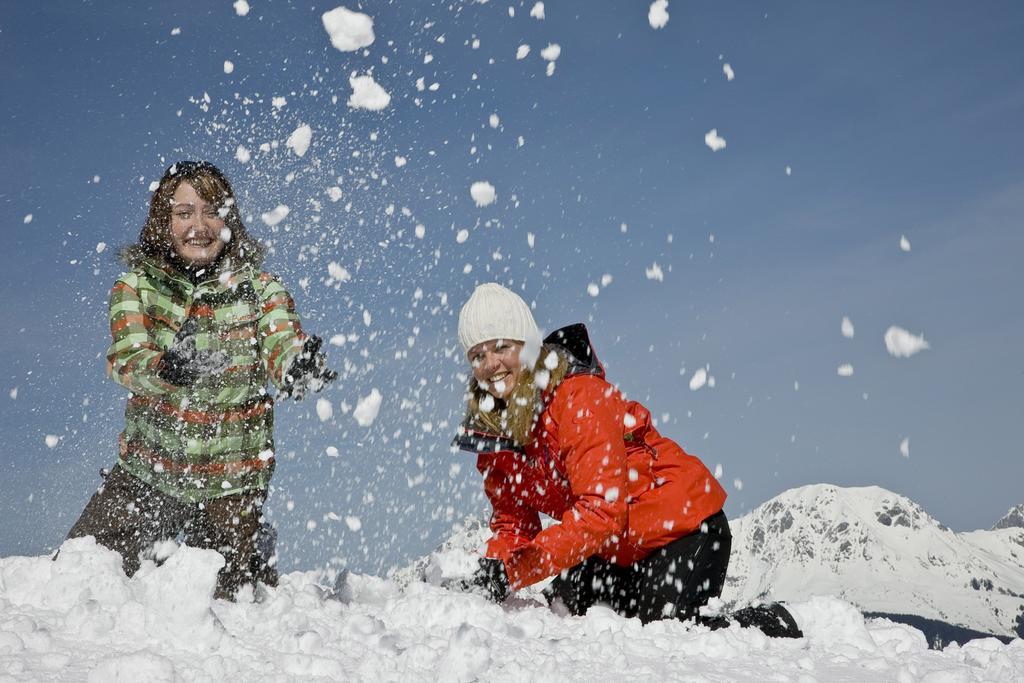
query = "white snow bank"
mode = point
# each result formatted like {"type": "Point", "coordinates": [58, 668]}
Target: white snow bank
{"type": "Point", "coordinates": [81, 619]}
{"type": "Point", "coordinates": [349, 31]}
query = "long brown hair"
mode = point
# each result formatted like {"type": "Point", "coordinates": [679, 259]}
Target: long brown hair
{"type": "Point", "coordinates": [213, 186]}
{"type": "Point", "coordinates": [516, 416]}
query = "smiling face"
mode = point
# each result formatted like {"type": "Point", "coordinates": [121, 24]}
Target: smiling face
{"type": "Point", "coordinates": [196, 227]}
{"type": "Point", "coordinates": [496, 366]}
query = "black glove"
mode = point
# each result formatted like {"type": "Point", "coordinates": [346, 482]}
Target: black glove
{"type": "Point", "coordinates": [183, 365]}
{"type": "Point", "coordinates": [308, 371]}
{"type": "Point", "coordinates": [489, 580]}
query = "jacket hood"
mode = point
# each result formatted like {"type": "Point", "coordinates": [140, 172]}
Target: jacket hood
{"type": "Point", "coordinates": [574, 340]}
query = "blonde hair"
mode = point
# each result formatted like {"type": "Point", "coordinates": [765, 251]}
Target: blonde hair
{"type": "Point", "coordinates": [516, 416]}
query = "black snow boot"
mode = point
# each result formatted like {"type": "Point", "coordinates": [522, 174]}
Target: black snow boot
{"type": "Point", "coordinates": [772, 618]}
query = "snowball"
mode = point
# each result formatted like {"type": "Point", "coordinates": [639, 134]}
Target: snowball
{"type": "Point", "coordinates": [278, 102]}
{"type": "Point", "coordinates": [324, 409]}
{"type": "Point", "coordinates": [699, 379]}
{"type": "Point", "coordinates": [462, 236]}
{"type": "Point", "coordinates": [334, 193]}
{"type": "Point", "coordinates": [903, 344]}
{"type": "Point", "coordinates": [846, 327]}
{"type": "Point", "coordinates": [654, 272]}
{"type": "Point", "coordinates": [241, 7]}
{"type": "Point", "coordinates": [367, 94]}
{"type": "Point", "coordinates": [367, 318]}
{"type": "Point", "coordinates": [400, 161]}
{"type": "Point", "coordinates": [331, 451]}
{"type": "Point", "coordinates": [712, 140]}
{"type": "Point", "coordinates": [367, 408]}
{"type": "Point", "coordinates": [657, 15]}
{"type": "Point", "coordinates": [338, 273]}
{"type": "Point", "coordinates": [522, 51]}
{"type": "Point", "coordinates": [538, 11]}
{"type": "Point", "coordinates": [28, 217]}
{"type": "Point", "coordinates": [845, 370]}
{"type": "Point", "coordinates": [494, 121]}
{"type": "Point", "coordinates": [101, 247]}
{"type": "Point", "coordinates": [242, 155]}
{"type": "Point", "coordinates": [349, 31]}
{"type": "Point", "coordinates": [353, 523]}
{"type": "Point", "coordinates": [729, 73]}
{"type": "Point", "coordinates": [593, 289]}
{"type": "Point", "coordinates": [51, 440]}
{"type": "Point", "coordinates": [551, 52]}
{"type": "Point", "coordinates": [905, 447]}
{"type": "Point", "coordinates": [420, 230]}
{"type": "Point", "coordinates": [299, 140]}
{"type": "Point", "coordinates": [278, 214]}
{"type": "Point", "coordinates": [229, 66]}
{"type": "Point", "coordinates": [483, 193]}
{"type": "Point", "coordinates": [176, 31]}
{"type": "Point", "coordinates": [606, 279]}
{"type": "Point", "coordinates": [904, 243]}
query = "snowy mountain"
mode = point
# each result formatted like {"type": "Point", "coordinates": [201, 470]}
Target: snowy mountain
{"type": "Point", "coordinates": [1013, 518]}
{"type": "Point", "coordinates": [881, 552]}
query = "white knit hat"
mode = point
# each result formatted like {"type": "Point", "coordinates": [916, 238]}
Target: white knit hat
{"type": "Point", "coordinates": [494, 312]}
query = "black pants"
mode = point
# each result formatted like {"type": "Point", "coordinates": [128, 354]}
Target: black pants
{"type": "Point", "coordinates": [673, 582]}
{"type": "Point", "coordinates": [129, 516]}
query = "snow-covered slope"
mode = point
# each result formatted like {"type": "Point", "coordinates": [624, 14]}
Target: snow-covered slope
{"type": "Point", "coordinates": [79, 618]}
{"type": "Point", "coordinates": [881, 552]}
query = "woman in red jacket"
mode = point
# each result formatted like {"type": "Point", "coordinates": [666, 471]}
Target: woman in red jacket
{"type": "Point", "coordinates": [639, 522]}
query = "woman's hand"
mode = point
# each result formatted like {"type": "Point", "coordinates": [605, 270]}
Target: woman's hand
{"type": "Point", "coordinates": [489, 580]}
{"type": "Point", "coordinates": [183, 365]}
{"type": "Point", "coordinates": [308, 371]}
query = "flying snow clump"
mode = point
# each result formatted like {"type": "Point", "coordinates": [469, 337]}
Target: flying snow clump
{"type": "Point", "coordinates": [902, 344]}
{"type": "Point", "coordinates": [729, 73]}
{"type": "Point", "coordinates": [241, 7]}
{"type": "Point", "coordinates": [654, 272]}
{"type": "Point", "coordinates": [367, 94]}
{"type": "Point", "coordinates": [657, 15]}
{"type": "Point", "coordinates": [349, 31]}
{"type": "Point", "coordinates": [28, 217]}
{"type": "Point", "coordinates": [483, 193]}
{"type": "Point", "coordinates": [522, 51]}
{"type": "Point", "coordinates": [367, 408]}
{"type": "Point", "coordinates": [400, 161]}
{"type": "Point", "coordinates": [337, 272]}
{"type": "Point", "coordinates": [845, 370]}
{"type": "Point", "coordinates": [699, 379]}
{"type": "Point", "coordinates": [904, 243]}
{"type": "Point", "coordinates": [242, 155]}
{"type": "Point", "coordinates": [101, 247]}
{"type": "Point", "coordinates": [52, 440]}
{"type": "Point", "coordinates": [712, 140]}
{"type": "Point", "coordinates": [846, 327]}
{"type": "Point", "coordinates": [229, 66]}
{"type": "Point", "coordinates": [299, 140]}
{"type": "Point", "coordinates": [551, 52]}
{"type": "Point", "coordinates": [538, 11]}
{"type": "Point", "coordinates": [905, 447]}
{"type": "Point", "coordinates": [275, 216]}
{"type": "Point", "coordinates": [324, 409]}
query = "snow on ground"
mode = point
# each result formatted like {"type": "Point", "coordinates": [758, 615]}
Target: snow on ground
{"type": "Point", "coordinates": [79, 618]}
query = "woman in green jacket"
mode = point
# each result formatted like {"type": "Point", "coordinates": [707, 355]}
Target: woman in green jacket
{"type": "Point", "coordinates": [198, 330]}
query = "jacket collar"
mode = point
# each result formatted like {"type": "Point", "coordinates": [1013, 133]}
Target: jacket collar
{"type": "Point", "coordinates": [220, 279]}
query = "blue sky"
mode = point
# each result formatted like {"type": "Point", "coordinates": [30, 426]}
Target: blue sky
{"type": "Point", "coordinates": [894, 119]}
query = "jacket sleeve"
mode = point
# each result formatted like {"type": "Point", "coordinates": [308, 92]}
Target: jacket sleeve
{"type": "Point", "coordinates": [512, 525]}
{"type": "Point", "coordinates": [588, 415]}
{"type": "Point", "coordinates": [134, 356]}
{"type": "Point", "coordinates": [280, 332]}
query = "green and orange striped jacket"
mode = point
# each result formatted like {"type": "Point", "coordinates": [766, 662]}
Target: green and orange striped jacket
{"type": "Point", "coordinates": [215, 438]}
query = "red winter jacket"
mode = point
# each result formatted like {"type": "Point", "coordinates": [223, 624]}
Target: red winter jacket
{"type": "Point", "coordinates": [597, 464]}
